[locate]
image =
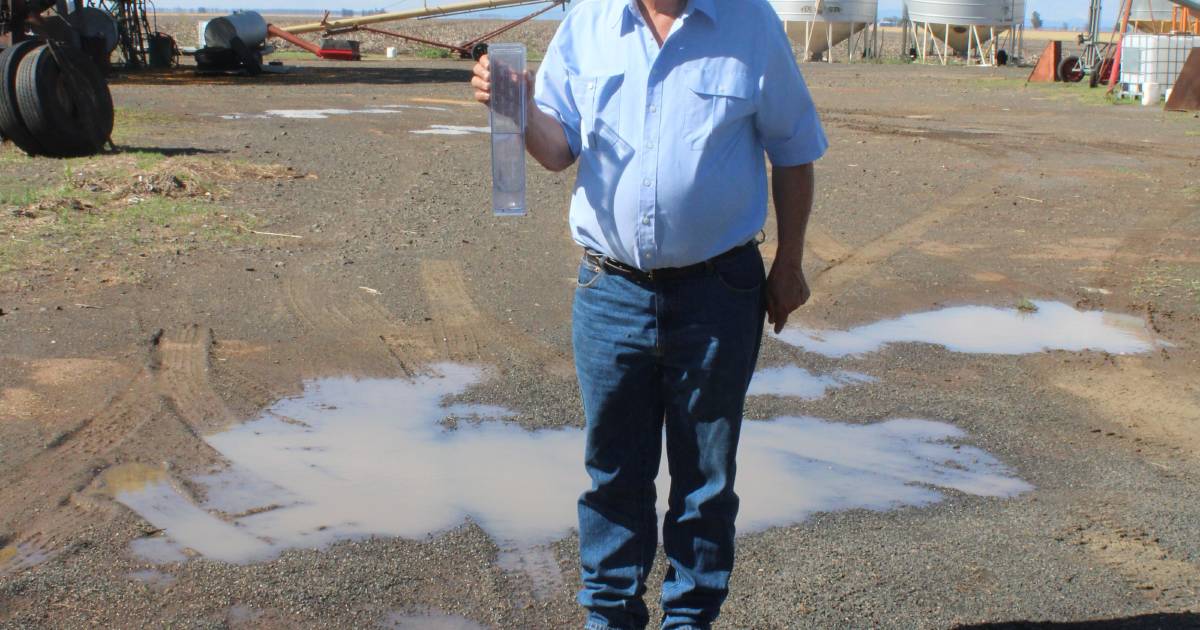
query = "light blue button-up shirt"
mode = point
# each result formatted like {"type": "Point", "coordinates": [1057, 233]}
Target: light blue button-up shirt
{"type": "Point", "coordinates": [671, 141]}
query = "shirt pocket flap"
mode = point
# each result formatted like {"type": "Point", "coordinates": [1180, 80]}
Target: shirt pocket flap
{"type": "Point", "coordinates": [588, 89]}
{"type": "Point", "coordinates": [717, 82]}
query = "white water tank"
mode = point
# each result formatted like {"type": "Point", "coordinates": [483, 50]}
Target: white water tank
{"type": "Point", "coordinates": [818, 25]}
{"type": "Point", "coordinates": [951, 20]}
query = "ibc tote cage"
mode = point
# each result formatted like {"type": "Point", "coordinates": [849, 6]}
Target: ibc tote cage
{"type": "Point", "coordinates": [1153, 59]}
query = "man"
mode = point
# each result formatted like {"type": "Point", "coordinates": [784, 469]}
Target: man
{"type": "Point", "coordinates": [669, 106]}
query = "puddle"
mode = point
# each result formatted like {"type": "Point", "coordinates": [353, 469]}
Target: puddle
{"type": "Point", "coordinates": [429, 621]}
{"type": "Point", "coordinates": [154, 579]}
{"type": "Point", "coordinates": [537, 562]}
{"type": "Point", "coordinates": [800, 383]}
{"type": "Point", "coordinates": [148, 491]}
{"type": "Point", "coordinates": [22, 556]}
{"type": "Point", "coordinates": [451, 130]}
{"type": "Point", "coordinates": [318, 114]}
{"type": "Point", "coordinates": [352, 458]}
{"type": "Point", "coordinates": [157, 550]}
{"type": "Point", "coordinates": [986, 330]}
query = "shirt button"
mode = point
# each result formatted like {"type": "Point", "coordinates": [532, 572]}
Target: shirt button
{"type": "Point", "coordinates": [591, 86]}
{"type": "Point", "coordinates": [649, 146]}
{"type": "Point", "coordinates": [653, 109]}
{"type": "Point", "coordinates": [646, 183]}
{"type": "Point", "coordinates": [645, 220]}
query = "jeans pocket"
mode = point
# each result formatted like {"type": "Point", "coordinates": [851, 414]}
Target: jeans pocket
{"type": "Point", "coordinates": [742, 274]}
{"type": "Point", "coordinates": [589, 275]}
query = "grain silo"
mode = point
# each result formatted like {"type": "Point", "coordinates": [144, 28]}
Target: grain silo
{"type": "Point", "coordinates": [816, 26]}
{"type": "Point", "coordinates": [975, 30]}
{"type": "Point", "coordinates": [1151, 16]}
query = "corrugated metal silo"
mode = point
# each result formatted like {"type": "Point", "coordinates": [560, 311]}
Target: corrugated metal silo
{"type": "Point", "coordinates": [818, 25]}
{"type": "Point", "coordinates": [969, 27]}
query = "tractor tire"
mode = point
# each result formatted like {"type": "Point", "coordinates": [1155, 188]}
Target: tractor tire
{"type": "Point", "coordinates": [1070, 70]}
{"type": "Point", "coordinates": [65, 102]}
{"type": "Point", "coordinates": [12, 125]}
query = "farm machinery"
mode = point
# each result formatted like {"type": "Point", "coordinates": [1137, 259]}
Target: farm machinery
{"type": "Point", "coordinates": [332, 48]}
{"type": "Point", "coordinates": [54, 99]}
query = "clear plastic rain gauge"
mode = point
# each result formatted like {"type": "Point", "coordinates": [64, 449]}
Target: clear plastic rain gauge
{"type": "Point", "coordinates": [507, 68]}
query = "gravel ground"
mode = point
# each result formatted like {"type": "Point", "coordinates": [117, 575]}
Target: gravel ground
{"type": "Point", "coordinates": [942, 186]}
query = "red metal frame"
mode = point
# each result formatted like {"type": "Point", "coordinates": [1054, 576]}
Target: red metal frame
{"type": "Point", "coordinates": [464, 49]}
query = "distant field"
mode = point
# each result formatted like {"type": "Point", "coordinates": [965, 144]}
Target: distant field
{"type": "Point", "coordinates": [1046, 35]}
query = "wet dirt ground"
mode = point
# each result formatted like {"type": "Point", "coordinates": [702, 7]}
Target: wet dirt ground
{"type": "Point", "coordinates": [361, 248]}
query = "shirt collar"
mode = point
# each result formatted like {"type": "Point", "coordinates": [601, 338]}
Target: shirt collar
{"type": "Point", "coordinates": [631, 10]}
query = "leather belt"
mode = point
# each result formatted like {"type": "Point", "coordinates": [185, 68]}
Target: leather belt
{"type": "Point", "coordinates": [666, 273]}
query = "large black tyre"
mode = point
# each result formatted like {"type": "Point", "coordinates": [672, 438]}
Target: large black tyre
{"type": "Point", "coordinates": [65, 102]}
{"type": "Point", "coordinates": [12, 126]}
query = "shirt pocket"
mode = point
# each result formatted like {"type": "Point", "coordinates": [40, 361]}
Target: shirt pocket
{"type": "Point", "coordinates": [598, 98]}
{"type": "Point", "coordinates": [716, 102]}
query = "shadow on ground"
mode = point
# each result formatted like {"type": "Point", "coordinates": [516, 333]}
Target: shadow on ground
{"type": "Point", "coordinates": [169, 151]}
{"type": "Point", "coordinates": [1163, 621]}
{"type": "Point", "coordinates": [346, 72]}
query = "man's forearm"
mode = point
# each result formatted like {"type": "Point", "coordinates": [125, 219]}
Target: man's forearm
{"type": "Point", "coordinates": [545, 140]}
{"type": "Point", "coordinates": [792, 187]}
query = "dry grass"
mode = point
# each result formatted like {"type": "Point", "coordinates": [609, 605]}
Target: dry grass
{"type": "Point", "coordinates": [123, 204]}
{"type": "Point", "coordinates": [122, 176]}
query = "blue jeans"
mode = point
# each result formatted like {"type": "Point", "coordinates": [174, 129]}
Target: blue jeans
{"type": "Point", "coordinates": [675, 353]}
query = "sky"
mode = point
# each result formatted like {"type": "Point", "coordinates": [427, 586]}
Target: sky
{"type": "Point", "coordinates": [1053, 12]}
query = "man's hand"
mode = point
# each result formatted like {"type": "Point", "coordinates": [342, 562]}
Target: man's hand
{"type": "Point", "coordinates": [787, 290]}
{"type": "Point", "coordinates": [544, 136]}
{"type": "Point", "coordinates": [482, 82]}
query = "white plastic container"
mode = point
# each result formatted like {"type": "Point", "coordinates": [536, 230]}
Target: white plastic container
{"type": "Point", "coordinates": [507, 68]}
{"type": "Point", "coordinates": [390, 51]}
{"type": "Point", "coordinates": [1151, 93]}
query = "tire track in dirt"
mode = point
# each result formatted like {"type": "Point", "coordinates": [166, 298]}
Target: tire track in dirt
{"type": "Point", "coordinates": [350, 324]}
{"type": "Point", "coordinates": [863, 260]}
{"type": "Point", "coordinates": [183, 374]}
{"type": "Point", "coordinates": [817, 241]}
{"type": "Point", "coordinates": [1142, 242]}
{"type": "Point", "coordinates": [160, 411]}
{"type": "Point", "coordinates": [1140, 559]}
{"type": "Point", "coordinates": [462, 333]}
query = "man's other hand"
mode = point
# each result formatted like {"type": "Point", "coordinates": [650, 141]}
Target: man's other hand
{"type": "Point", "coordinates": [787, 290]}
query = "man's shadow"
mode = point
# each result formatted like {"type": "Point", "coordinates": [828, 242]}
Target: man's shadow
{"type": "Point", "coordinates": [1154, 621]}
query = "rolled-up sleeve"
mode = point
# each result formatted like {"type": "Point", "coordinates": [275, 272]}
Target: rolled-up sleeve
{"type": "Point", "coordinates": [787, 120]}
{"type": "Point", "coordinates": [552, 92]}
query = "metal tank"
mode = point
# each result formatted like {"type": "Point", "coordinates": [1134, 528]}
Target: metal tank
{"type": "Point", "coordinates": [1151, 16]}
{"type": "Point", "coordinates": [248, 26]}
{"type": "Point", "coordinates": [818, 25]}
{"type": "Point", "coordinates": [952, 20]}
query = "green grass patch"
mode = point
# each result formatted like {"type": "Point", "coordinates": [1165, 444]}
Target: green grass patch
{"type": "Point", "coordinates": [1079, 92]}
{"type": "Point", "coordinates": [1025, 305]}
{"type": "Point", "coordinates": [131, 122]}
{"type": "Point", "coordinates": [294, 55]}
{"type": "Point", "coordinates": [432, 52]}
